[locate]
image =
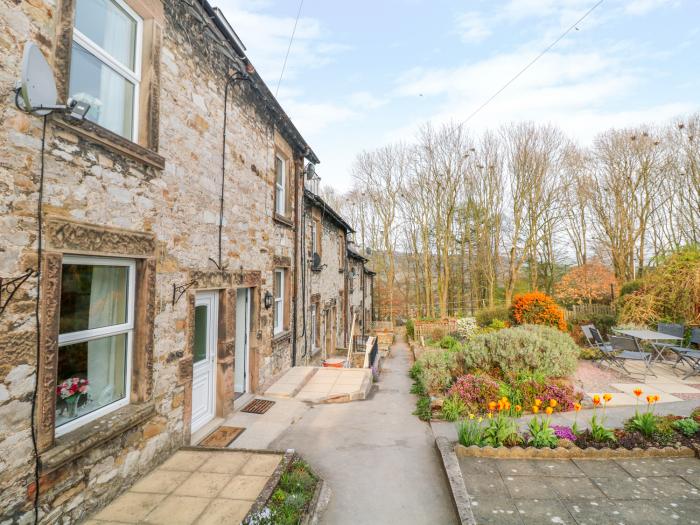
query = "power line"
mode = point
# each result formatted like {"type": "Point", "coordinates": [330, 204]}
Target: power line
{"type": "Point", "coordinates": [284, 65]}
{"type": "Point", "coordinates": [544, 52]}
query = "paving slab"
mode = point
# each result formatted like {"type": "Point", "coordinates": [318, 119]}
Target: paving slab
{"type": "Point", "coordinates": [291, 382]}
{"type": "Point", "coordinates": [218, 487]}
{"type": "Point", "coordinates": [645, 467]}
{"type": "Point", "coordinates": [538, 511]}
{"type": "Point", "coordinates": [495, 510]}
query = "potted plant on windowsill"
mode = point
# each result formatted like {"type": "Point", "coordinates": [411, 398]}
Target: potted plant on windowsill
{"type": "Point", "coordinates": [70, 391]}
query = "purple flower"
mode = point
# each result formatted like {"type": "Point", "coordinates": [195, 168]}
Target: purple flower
{"type": "Point", "coordinates": [563, 432]}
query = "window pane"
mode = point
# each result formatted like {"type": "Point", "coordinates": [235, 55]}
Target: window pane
{"type": "Point", "coordinates": [278, 285]}
{"type": "Point", "coordinates": [93, 297]}
{"type": "Point", "coordinates": [279, 199]}
{"type": "Point", "coordinates": [110, 95]}
{"type": "Point", "coordinates": [108, 26]}
{"type": "Point", "coordinates": [91, 374]}
{"type": "Point", "coordinates": [278, 315]}
{"type": "Point", "coordinates": [279, 171]}
{"type": "Point", "coordinates": [200, 332]}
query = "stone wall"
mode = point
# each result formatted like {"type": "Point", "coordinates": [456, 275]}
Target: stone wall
{"type": "Point", "coordinates": [99, 185]}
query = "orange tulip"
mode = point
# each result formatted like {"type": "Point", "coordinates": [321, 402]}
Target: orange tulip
{"type": "Point", "coordinates": [538, 402]}
{"type": "Point", "coordinates": [535, 409]}
{"type": "Point", "coordinates": [552, 403]}
{"type": "Point", "coordinates": [656, 397]}
{"type": "Point", "coordinates": [518, 408]}
{"type": "Point", "coordinates": [492, 405]}
{"type": "Point", "coordinates": [607, 397]}
{"type": "Point", "coordinates": [549, 410]}
{"type": "Point", "coordinates": [650, 399]}
{"type": "Point", "coordinates": [637, 392]}
{"type": "Point", "coordinates": [596, 400]}
{"type": "Point", "coordinates": [577, 407]}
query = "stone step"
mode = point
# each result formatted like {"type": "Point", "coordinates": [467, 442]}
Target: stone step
{"type": "Point", "coordinates": [291, 382]}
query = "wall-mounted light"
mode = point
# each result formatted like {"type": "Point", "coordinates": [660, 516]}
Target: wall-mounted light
{"type": "Point", "coordinates": [268, 300]}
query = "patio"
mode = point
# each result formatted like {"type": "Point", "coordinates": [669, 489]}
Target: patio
{"type": "Point", "coordinates": [195, 487]}
{"type": "Point", "coordinates": [583, 491]}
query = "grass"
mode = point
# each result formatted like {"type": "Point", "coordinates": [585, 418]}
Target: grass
{"type": "Point", "coordinates": [290, 499]}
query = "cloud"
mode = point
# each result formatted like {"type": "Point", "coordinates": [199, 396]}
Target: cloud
{"type": "Point", "coordinates": [580, 91]}
{"type": "Point", "coordinates": [473, 27]}
{"type": "Point", "coordinates": [311, 118]}
{"type": "Point", "coordinates": [366, 100]}
{"type": "Point", "coordinates": [266, 37]}
{"type": "Point", "coordinates": [642, 7]}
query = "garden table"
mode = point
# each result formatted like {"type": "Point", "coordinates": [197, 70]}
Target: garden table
{"type": "Point", "coordinates": [651, 337]}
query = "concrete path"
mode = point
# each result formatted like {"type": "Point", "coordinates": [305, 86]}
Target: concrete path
{"type": "Point", "coordinates": [379, 460]}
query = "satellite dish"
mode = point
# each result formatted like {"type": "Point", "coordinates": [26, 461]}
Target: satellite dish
{"type": "Point", "coordinates": [37, 85]}
{"type": "Point", "coordinates": [36, 90]}
{"type": "Point", "coordinates": [310, 171]}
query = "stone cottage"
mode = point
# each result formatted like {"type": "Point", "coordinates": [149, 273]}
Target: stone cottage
{"type": "Point", "coordinates": [151, 252]}
{"type": "Point", "coordinates": [334, 280]}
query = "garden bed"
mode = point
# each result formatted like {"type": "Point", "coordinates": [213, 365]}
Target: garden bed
{"type": "Point", "coordinates": [293, 500]}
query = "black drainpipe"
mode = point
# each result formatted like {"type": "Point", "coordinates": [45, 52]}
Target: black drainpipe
{"type": "Point", "coordinates": [232, 78]}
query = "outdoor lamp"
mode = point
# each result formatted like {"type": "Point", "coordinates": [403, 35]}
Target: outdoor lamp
{"type": "Point", "coordinates": [268, 300]}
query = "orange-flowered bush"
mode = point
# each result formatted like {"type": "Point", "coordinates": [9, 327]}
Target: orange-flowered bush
{"type": "Point", "coordinates": [537, 308]}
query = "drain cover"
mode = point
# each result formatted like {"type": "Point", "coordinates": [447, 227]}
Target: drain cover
{"type": "Point", "coordinates": [258, 406]}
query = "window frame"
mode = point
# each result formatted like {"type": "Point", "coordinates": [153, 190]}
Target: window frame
{"type": "Point", "coordinates": [281, 188]}
{"type": "Point", "coordinates": [81, 336]}
{"type": "Point", "coordinates": [314, 238]}
{"type": "Point", "coordinates": [108, 60]}
{"type": "Point", "coordinates": [313, 313]}
{"type": "Point", "coordinates": [278, 317]}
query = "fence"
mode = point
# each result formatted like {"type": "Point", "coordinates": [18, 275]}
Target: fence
{"type": "Point", "coordinates": [583, 310]}
{"type": "Point", "coordinates": [426, 328]}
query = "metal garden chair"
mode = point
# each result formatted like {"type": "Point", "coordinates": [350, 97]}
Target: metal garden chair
{"type": "Point", "coordinates": [607, 354]}
{"type": "Point", "coordinates": [687, 355]}
{"type": "Point", "coordinates": [627, 349]}
{"type": "Point", "coordinates": [672, 329]}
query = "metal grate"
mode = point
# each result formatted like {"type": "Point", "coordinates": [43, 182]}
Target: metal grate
{"type": "Point", "coordinates": [258, 406]}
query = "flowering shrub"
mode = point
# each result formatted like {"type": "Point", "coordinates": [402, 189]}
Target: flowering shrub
{"type": "Point", "coordinates": [522, 350]}
{"type": "Point", "coordinates": [562, 392]}
{"type": "Point", "coordinates": [563, 432]}
{"type": "Point", "coordinates": [474, 390]}
{"type": "Point", "coordinates": [537, 308]}
{"type": "Point", "coordinates": [467, 327]}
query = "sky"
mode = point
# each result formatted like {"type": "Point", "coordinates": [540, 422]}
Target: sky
{"type": "Point", "coordinates": [362, 74]}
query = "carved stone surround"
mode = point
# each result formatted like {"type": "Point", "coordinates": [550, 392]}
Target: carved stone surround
{"type": "Point", "coordinates": [64, 236]}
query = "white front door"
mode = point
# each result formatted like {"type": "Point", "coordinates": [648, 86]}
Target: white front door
{"type": "Point", "coordinates": [241, 367]}
{"type": "Point", "coordinates": [206, 320]}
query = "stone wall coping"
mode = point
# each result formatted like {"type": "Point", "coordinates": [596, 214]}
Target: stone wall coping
{"type": "Point", "coordinates": [282, 337]}
{"type": "Point", "coordinates": [76, 443]}
{"type": "Point", "coordinates": [571, 453]}
{"type": "Point", "coordinates": [282, 220]}
{"type": "Point", "coordinates": [458, 489]}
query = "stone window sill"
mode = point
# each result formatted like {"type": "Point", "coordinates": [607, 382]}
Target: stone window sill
{"type": "Point", "coordinates": [284, 221]}
{"type": "Point", "coordinates": [74, 444]}
{"type": "Point", "coordinates": [282, 337]}
{"type": "Point", "coordinates": [104, 137]}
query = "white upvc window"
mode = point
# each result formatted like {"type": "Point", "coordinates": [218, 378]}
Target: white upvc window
{"type": "Point", "coordinates": [280, 185]}
{"type": "Point", "coordinates": [96, 332]}
{"type": "Point", "coordinates": [314, 240]}
{"type": "Point", "coordinates": [105, 67]}
{"type": "Point", "coordinates": [279, 302]}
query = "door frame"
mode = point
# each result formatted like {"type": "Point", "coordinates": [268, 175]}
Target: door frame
{"type": "Point", "coordinates": [246, 334]}
{"type": "Point", "coordinates": [211, 299]}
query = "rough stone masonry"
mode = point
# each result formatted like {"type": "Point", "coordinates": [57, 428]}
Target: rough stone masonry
{"type": "Point", "coordinates": [155, 202]}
